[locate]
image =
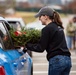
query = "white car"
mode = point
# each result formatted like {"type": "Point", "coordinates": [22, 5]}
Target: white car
{"type": "Point", "coordinates": [16, 23]}
{"type": "Point", "coordinates": [35, 25]}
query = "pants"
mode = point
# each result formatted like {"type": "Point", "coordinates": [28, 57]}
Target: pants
{"type": "Point", "coordinates": [74, 42]}
{"type": "Point", "coordinates": [69, 40]}
{"type": "Point", "coordinates": [59, 65]}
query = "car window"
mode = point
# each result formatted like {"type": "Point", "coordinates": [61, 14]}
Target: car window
{"type": "Point", "coordinates": [5, 39]}
{"type": "Point", "coordinates": [15, 25]}
{"type": "Point", "coordinates": [1, 43]}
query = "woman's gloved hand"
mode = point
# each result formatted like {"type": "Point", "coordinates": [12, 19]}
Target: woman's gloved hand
{"type": "Point", "coordinates": [28, 46]}
{"type": "Point", "coordinates": [22, 50]}
{"type": "Point", "coordinates": [25, 50]}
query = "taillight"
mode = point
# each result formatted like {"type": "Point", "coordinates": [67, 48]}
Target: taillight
{"type": "Point", "coordinates": [2, 71]}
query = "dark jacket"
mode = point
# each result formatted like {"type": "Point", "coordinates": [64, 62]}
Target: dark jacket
{"type": "Point", "coordinates": [52, 40]}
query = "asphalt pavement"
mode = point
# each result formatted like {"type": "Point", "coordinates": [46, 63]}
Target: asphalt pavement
{"type": "Point", "coordinates": [40, 63]}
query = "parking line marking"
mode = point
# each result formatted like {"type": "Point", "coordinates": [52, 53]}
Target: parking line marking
{"type": "Point", "coordinates": [47, 72]}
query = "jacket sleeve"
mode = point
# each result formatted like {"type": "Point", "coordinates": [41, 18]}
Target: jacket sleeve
{"type": "Point", "coordinates": [42, 44]}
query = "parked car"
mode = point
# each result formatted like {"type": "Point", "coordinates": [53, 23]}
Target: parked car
{"type": "Point", "coordinates": [35, 25]}
{"type": "Point", "coordinates": [17, 24]}
{"type": "Point", "coordinates": [12, 61]}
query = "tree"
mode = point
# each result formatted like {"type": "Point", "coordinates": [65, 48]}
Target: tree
{"type": "Point", "coordinates": [72, 6]}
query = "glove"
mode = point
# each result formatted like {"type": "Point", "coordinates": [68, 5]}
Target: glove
{"type": "Point", "coordinates": [20, 50]}
{"type": "Point", "coordinates": [25, 50]}
{"type": "Point", "coordinates": [28, 46]}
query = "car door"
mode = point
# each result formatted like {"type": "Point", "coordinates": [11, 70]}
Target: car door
{"type": "Point", "coordinates": [12, 62]}
{"type": "Point", "coordinates": [5, 37]}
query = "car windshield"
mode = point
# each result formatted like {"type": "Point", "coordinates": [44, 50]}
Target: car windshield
{"type": "Point", "coordinates": [15, 25]}
{"type": "Point", "coordinates": [5, 41]}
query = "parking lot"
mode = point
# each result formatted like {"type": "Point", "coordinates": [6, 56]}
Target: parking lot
{"type": "Point", "coordinates": [40, 64]}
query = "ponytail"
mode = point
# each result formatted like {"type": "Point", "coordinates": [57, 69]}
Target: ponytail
{"type": "Point", "coordinates": [57, 19]}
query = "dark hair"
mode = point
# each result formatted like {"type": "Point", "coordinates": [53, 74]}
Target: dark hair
{"type": "Point", "coordinates": [56, 18]}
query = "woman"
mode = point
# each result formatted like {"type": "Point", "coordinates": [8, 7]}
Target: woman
{"type": "Point", "coordinates": [53, 41]}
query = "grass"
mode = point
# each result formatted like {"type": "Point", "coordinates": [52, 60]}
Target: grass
{"type": "Point", "coordinates": [27, 16]}
{"type": "Point", "coordinates": [63, 15]}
